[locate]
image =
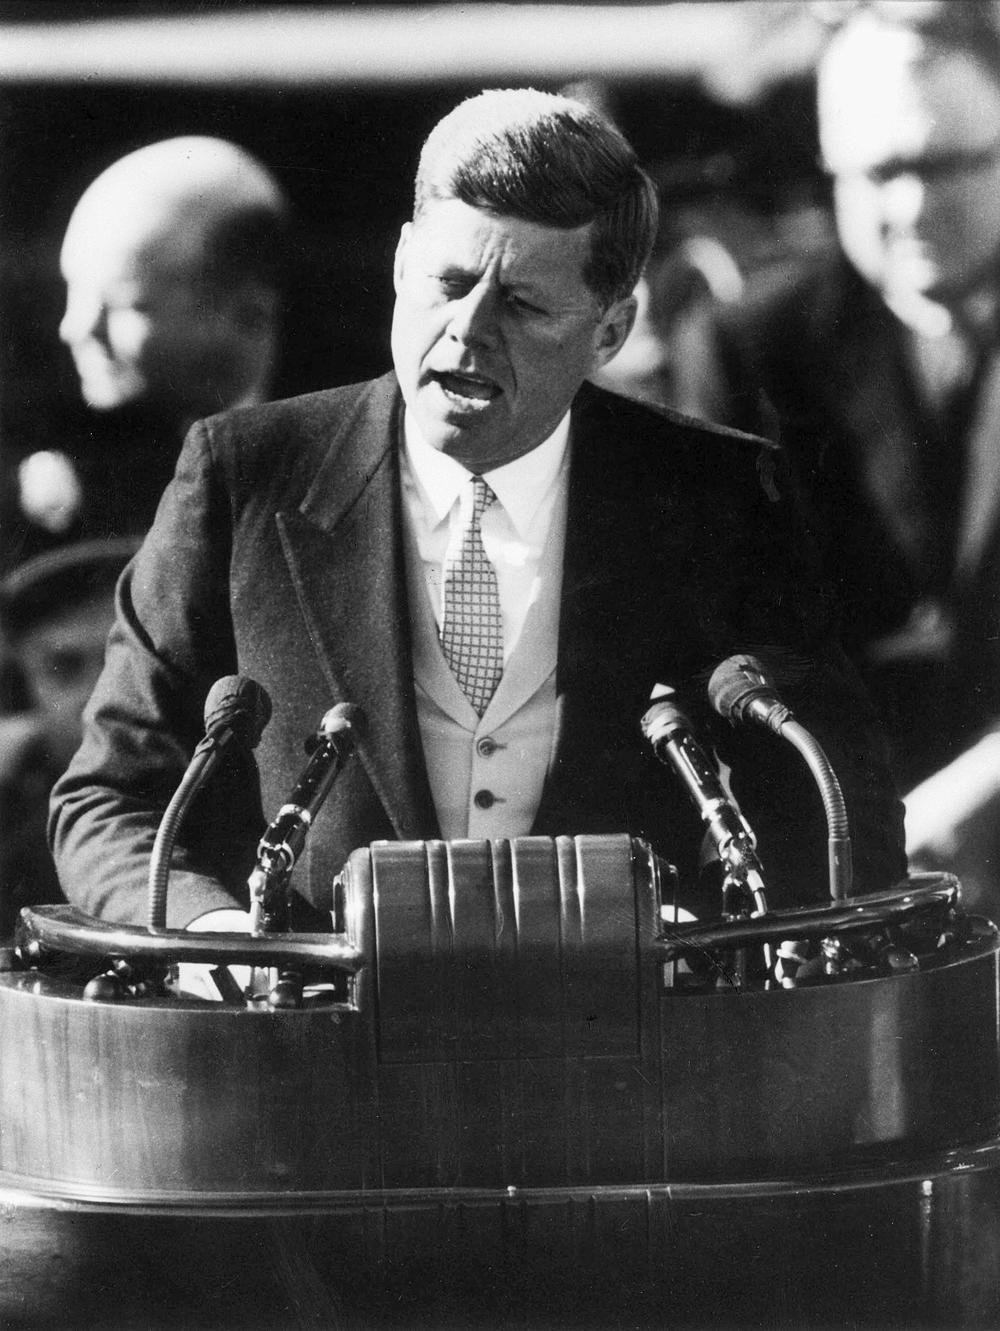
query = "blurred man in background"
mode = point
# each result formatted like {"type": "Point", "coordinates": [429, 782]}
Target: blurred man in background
{"type": "Point", "coordinates": [171, 271]}
{"type": "Point", "coordinates": [55, 613]}
{"type": "Point", "coordinates": [879, 369]}
{"type": "Point", "coordinates": [174, 263]}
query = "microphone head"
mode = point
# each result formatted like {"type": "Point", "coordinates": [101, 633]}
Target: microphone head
{"type": "Point", "coordinates": [239, 704]}
{"type": "Point", "coordinates": [733, 682]}
{"type": "Point", "coordinates": [739, 691]}
{"type": "Point", "coordinates": [346, 721]}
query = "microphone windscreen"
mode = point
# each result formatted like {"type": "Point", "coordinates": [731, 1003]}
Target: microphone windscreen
{"type": "Point", "coordinates": [346, 716]}
{"type": "Point", "coordinates": [239, 704]}
{"type": "Point", "coordinates": [733, 683]}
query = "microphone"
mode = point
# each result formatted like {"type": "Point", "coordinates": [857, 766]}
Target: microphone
{"type": "Point", "coordinates": [671, 735]}
{"type": "Point", "coordinates": [282, 843]}
{"type": "Point", "coordinates": [740, 692]}
{"type": "Point", "coordinates": [236, 710]}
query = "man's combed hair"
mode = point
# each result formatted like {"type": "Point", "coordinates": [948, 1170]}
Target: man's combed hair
{"type": "Point", "coordinates": [552, 161]}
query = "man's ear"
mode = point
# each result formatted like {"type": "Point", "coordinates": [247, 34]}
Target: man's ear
{"type": "Point", "coordinates": [615, 326]}
{"type": "Point", "coordinates": [255, 307]}
{"type": "Point", "coordinates": [401, 244]}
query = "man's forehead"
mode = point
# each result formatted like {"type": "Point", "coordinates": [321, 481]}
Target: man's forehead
{"type": "Point", "coordinates": [451, 230]}
{"type": "Point", "coordinates": [893, 96]}
{"type": "Point", "coordinates": [140, 247]}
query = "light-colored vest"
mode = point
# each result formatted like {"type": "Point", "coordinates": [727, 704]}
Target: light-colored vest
{"type": "Point", "coordinates": [486, 774]}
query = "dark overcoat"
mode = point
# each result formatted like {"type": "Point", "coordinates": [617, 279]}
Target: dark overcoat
{"type": "Point", "coordinates": [904, 496]}
{"type": "Point", "coordinates": [277, 553]}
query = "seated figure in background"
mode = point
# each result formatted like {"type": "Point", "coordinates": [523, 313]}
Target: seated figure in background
{"type": "Point", "coordinates": [670, 357]}
{"type": "Point", "coordinates": [878, 369]}
{"type": "Point", "coordinates": [174, 262]}
{"type": "Point", "coordinates": [55, 613]}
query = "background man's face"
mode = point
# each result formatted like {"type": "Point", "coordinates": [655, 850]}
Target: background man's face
{"type": "Point", "coordinates": [62, 656]}
{"type": "Point", "coordinates": [914, 148]}
{"type": "Point", "coordinates": [140, 327]}
{"type": "Point", "coordinates": [495, 329]}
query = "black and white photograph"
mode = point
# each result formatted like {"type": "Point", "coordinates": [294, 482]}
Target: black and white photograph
{"type": "Point", "coordinates": [500, 666]}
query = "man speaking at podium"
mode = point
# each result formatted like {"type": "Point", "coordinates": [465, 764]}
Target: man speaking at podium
{"type": "Point", "coordinates": [495, 560]}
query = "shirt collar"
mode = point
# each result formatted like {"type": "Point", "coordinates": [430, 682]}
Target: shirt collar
{"type": "Point", "coordinates": [520, 486]}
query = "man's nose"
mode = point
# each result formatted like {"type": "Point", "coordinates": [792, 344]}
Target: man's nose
{"type": "Point", "coordinates": [85, 317]}
{"type": "Point", "coordinates": [473, 320]}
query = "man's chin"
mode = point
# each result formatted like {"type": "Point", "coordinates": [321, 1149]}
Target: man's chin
{"type": "Point", "coordinates": [463, 439]}
{"type": "Point", "coordinates": [103, 396]}
{"type": "Point", "coordinates": [104, 387]}
{"type": "Point", "coordinates": [917, 277]}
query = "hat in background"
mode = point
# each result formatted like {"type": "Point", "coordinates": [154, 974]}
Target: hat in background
{"type": "Point", "coordinates": [66, 576]}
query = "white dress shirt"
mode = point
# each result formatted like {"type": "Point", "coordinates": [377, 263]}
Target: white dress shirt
{"type": "Point", "coordinates": [514, 529]}
{"type": "Point", "coordinates": [486, 773]}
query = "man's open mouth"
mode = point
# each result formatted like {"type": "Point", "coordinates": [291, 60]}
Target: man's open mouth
{"type": "Point", "coordinates": [467, 387]}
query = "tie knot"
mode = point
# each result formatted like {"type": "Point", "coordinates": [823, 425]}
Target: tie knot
{"type": "Point", "coordinates": [482, 497]}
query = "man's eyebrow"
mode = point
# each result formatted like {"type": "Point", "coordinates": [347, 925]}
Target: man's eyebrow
{"type": "Point", "coordinates": [534, 281]}
{"type": "Point", "coordinates": [450, 268]}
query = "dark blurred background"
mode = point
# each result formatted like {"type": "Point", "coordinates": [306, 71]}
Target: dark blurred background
{"type": "Point", "coordinates": [716, 97]}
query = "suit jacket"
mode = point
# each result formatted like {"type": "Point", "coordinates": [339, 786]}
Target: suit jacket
{"type": "Point", "coordinates": [906, 507]}
{"type": "Point", "coordinates": [277, 552]}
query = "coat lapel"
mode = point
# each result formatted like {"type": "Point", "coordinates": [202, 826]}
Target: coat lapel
{"type": "Point", "coordinates": [882, 417]}
{"type": "Point", "coordinates": [981, 497]}
{"type": "Point", "coordinates": [345, 554]}
{"type": "Point", "coordinates": [886, 416]}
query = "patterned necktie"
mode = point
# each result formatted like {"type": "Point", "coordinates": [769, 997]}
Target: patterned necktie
{"type": "Point", "coordinates": [471, 628]}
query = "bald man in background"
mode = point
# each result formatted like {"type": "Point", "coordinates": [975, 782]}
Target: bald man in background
{"type": "Point", "coordinates": [174, 262]}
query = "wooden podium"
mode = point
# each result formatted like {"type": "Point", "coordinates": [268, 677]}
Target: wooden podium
{"type": "Point", "coordinates": [509, 1073]}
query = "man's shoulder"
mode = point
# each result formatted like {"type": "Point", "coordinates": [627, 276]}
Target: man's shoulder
{"type": "Point", "coordinates": [650, 431]}
{"type": "Point", "coordinates": [634, 454]}
{"type": "Point", "coordinates": [308, 415]}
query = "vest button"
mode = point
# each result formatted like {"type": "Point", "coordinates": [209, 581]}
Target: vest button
{"type": "Point", "coordinates": [484, 799]}
{"type": "Point", "coordinates": [486, 747]}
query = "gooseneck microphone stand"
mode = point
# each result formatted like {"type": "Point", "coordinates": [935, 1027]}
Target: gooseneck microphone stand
{"type": "Point", "coordinates": [236, 708]}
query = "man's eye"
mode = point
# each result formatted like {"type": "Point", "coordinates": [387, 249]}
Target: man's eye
{"type": "Point", "coordinates": [527, 306]}
{"type": "Point", "coordinates": [66, 664]}
{"type": "Point", "coordinates": [453, 287]}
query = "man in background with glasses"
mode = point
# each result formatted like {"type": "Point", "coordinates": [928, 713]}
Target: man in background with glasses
{"type": "Point", "coordinates": [879, 368]}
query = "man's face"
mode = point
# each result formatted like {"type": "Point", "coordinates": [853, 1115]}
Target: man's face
{"type": "Point", "coordinates": [495, 329]}
{"type": "Point", "coordinates": [62, 656]}
{"type": "Point", "coordinates": [140, 328]}
{"type": "Point", "coordinates": [914, 148]}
